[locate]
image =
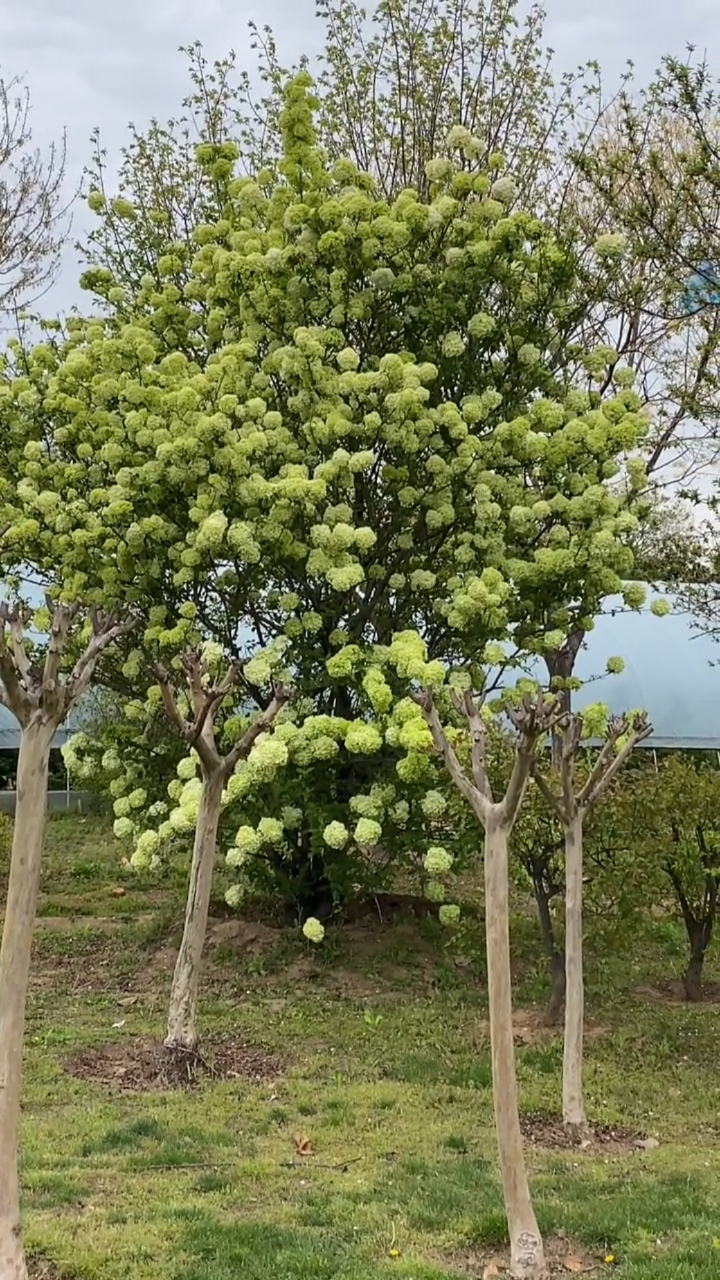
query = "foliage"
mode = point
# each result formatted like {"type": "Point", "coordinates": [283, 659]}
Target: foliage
{"type": "Point", "coordinates": [674, 821]}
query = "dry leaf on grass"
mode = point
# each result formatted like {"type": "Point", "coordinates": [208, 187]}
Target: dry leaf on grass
{"type": "Point", "coordinates": [491, 1271]}
{"type": "Point", "coordinates": [576, 1265]}
{"type": "Point", "coordinates": [303, 1145]}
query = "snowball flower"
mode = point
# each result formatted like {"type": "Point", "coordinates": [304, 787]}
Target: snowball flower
{"type": "Point", "coordinates": [610, 245]}
{"type": "Point", "coordinates": [234, 895]}
{"type": "Point", "coordinates": [438, 169]}
{"type": "Point", "coordinates": [614, 666]}
{"type": "Point", "coordinates": [313, 930]}
{"type": "Point", "coordinates": [433, 804]}
{"type": "Point", "coordinates": [235, 858]}
{"type": "Point", "coordinates": [210, 535]}
{"type": "Point", "coordinates": [247, 840]}
{"type": "Point", "coordinates": [504, 190]}
{"type": "Point", "coordinates": [363, 738]}
{"type": "Point", "coordinates": [123, 828]}
{"type": "Point", "coordinates": [265, 759]}
{"type": "Point", "coordinates": [121, 807]}
{"type": "Point", "coordinates": [434, 891]}
{"type": "Point", "coordinates": [661, 608]}
{"type": "Point", "coordinates": [367, 833]}
{"type": "Point", "coordinates": [187, 768]}
{"type": "Point", "coordinates": [137, 798]}
{"type": "Point", "coordinates": [271, 831]}
{"type": "Point", "coordinates": [336, 835]}
{"type": "Point", "coordinates": [453, 344]}
{"type": "Point", "coordinates": [437, 861]}
{"type": "Point", "coordinates": [458, 137]}
{"type": "Point", "coordinates": [449, 914]}
{"type": "Point", "coordinates": [291, 817]}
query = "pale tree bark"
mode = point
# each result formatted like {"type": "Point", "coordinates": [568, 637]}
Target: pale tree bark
{"type": "Point", "coordinates": [572, 1084]}
{"type": "Point", "coordinates": [199, 733]}
{"type": "Point", "coordinates": [532, 720]}
{"type": "Point", "coordinates": [182, 1027]}
{"type": "Point", "coordinates": [527, 1260]}
{"type": "Point", "coordinates": [39, 695]}
{"type": "Point", "coordinates": [571, 805]}
{"type": "Point", "coordinates": [20, 906]}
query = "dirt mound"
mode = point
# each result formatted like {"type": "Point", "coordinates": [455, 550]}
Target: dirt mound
{"type": "Point", "coordinates": [603, 1139]}
{"type": "Point", "coordinates": [141, 1066]}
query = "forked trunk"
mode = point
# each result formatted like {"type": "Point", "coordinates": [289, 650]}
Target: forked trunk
{"type": "Point", "coordinates": [573, 1102]}
{"type": "Point", "coordinates": [527, 1260]}
{"type": "Point", "coordinates": [182, 1029]}
{"type": "Point", "coordinates": [23, 886]}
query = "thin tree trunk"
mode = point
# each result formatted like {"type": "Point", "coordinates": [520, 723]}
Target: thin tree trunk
{"type": "Point", "coordinates": [573, 1103]}
{"type": "Point", "coordinates": [20, 907]}
{"type": "Point", "coordinates": [182, 1029]}
{"type": "Point", "coordinates": [556, 959]}
{"type": "Point", "coordinates": [527, 1261]}
{"type": "Point", "coordinates": [699, 935]}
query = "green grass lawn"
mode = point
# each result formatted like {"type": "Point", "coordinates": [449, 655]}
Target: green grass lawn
{"type": "Point", "coordinates": [385, 1072]}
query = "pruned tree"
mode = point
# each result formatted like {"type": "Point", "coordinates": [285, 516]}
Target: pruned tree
{"type": "Point", "coordinates": [39, 684]}
{"type": "Point", "coordinates": [533, 719]}
{"type": "Point", "coordinates": [571, 804]}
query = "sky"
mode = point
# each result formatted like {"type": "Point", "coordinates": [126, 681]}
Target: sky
{"type": "Point", "coordinates": [104, 63]}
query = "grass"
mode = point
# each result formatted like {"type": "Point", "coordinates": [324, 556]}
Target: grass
{"type": "Point", "coordinates": [388, 1076]}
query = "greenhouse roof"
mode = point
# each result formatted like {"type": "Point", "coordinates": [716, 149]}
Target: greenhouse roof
{"type": "Point", "coordinates": [10, 732]}
{"type": "Point", "coordinates": [671, 672]}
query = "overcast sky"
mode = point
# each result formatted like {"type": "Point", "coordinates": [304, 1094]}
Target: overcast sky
{"type": "Point", "coordinates": [106, 62]}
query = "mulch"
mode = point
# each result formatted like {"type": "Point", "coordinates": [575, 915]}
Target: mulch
{"type": "Point", "coordinates": [143, 1065]}
{"type": "Point", "coordinates": [548, 1131]}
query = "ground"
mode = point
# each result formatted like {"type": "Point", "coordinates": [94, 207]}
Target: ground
{"type": "Point", "coordinates": [357, 1140]}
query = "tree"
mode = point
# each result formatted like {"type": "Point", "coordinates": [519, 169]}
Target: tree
{"type": "Point", "coordinates": [39, 684]}
{"type": "Point", "coordinates": [571, 804]}
{"type": "Point", "coordinates": [533, 718]}
{"type": "Point", "coordinates": [672, 815]}
{"type": "Point", "coordinates": [389, 92]}
{"type": "Point", "coordinates": [33, 226]}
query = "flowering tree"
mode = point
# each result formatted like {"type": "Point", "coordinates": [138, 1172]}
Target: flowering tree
{"type": "Point", "coordinates": [39, 683]}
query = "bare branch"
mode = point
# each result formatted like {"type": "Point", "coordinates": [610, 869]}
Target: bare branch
{"type": "Point", "coordinates": [474, 796]}
{"type": "Point", "coordinates": [591, 794]}
{"type": "Point", "coordinates": [281, 695]}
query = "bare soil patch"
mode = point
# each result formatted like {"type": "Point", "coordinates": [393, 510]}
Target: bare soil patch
{"type": "Point", "coordinates": [563, 1258]}
{"type": "Point", "coordinates": [672, 991]}
{"type": "Point", "coordinates": [40, 1268]}
{"type": "Point", "coordinates": [530, 1027]}
{"type": "Point", "coordinates": [549, 1132]}
{"type": "Point", "coordinates": [143, 1065]}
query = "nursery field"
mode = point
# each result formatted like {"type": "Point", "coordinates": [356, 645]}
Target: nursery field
{"type": "Point", "coordinates": [339, 1121]}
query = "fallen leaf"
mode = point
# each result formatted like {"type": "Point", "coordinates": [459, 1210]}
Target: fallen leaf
{"type": "Point", "coordinates": [303, 1145]}
{"type": "Point", "coordinates": [118, 892]}
{"type": "Point", "coordinates": [490, 1271]}
{"type": "Point", "coordinates": [572, 1263]}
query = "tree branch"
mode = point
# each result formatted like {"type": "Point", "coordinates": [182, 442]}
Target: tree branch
{"type": "Point", "coordinates": [479, 802]}
{"type": "Point", "coordinates": [281, 695]}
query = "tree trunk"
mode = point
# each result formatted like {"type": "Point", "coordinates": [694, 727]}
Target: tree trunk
{"type": "Point", "coordinates": [692, 978]}
{"type": "Point", "coordinates": [699, 932]}
{"type": "Point", "coordinates": [181, 1029]}
{"type": "Point", "coordinates": [573, 1103]}
{"type": "Point", "coordinates": [527, 1260]}
{"type": "Point", "coordinates": [556, 959]}
{"type": "Point", "coordinates": [23, 886]}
